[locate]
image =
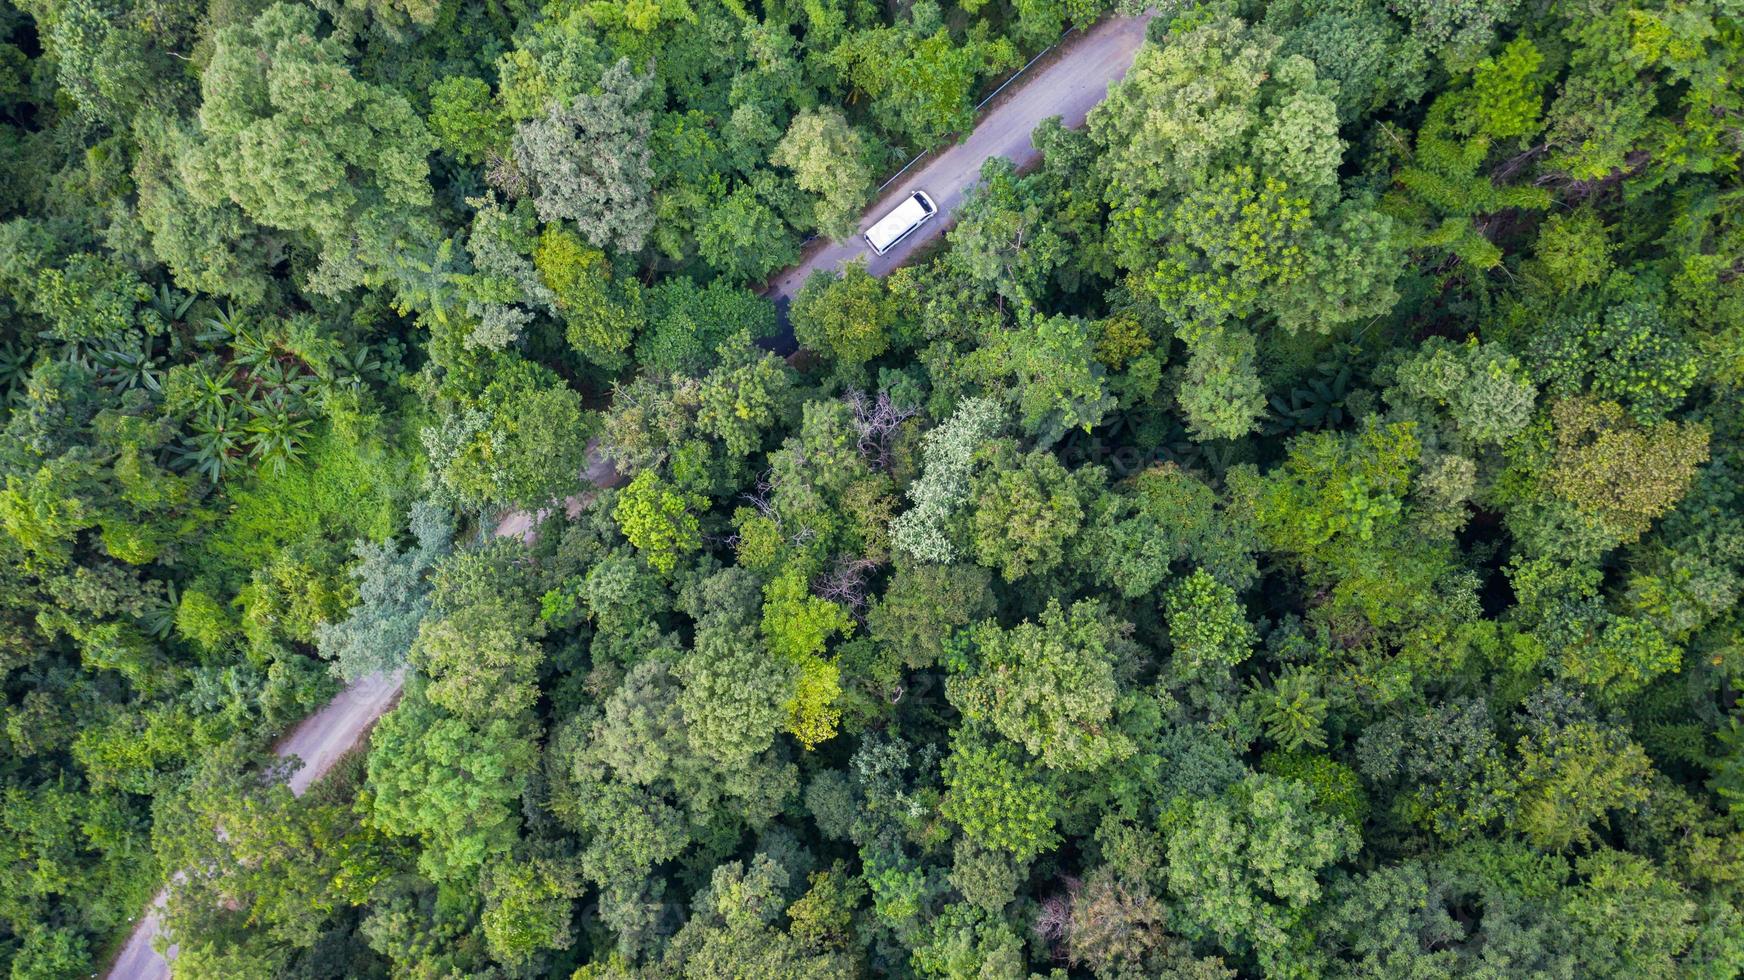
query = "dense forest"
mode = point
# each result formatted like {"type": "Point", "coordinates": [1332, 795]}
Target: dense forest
{"type": "Point", "coordinates": [1294, 530]}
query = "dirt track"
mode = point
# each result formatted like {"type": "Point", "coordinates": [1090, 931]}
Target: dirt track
{"type": "Point", "coordinates": [1069, 86]}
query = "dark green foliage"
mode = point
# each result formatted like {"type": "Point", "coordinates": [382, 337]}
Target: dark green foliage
{"type": "Point", "coordinates": [1291, 529]}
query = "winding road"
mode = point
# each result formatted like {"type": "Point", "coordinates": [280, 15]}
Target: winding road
{"type": "Point", "coordinates": [1069, 86]}
{"type": "Point", "coordinates": [320, 740]}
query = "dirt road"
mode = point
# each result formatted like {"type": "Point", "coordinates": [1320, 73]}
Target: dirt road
{"type": "Point", "coordinates": [1069, 86]}
{"type": "Point", "coordinates": [320, 740]}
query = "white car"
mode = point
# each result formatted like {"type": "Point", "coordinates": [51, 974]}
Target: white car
{"type": "Point", "coordinates": [902, 220]}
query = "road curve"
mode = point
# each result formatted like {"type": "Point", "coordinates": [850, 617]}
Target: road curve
{"type": "Point", "coordinates": [320, 740]}
{"type": "Point", "coordinates": [1069, 86]}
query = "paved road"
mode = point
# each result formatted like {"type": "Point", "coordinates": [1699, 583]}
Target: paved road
{"type": "Point", "coordinates": [1069, 86]}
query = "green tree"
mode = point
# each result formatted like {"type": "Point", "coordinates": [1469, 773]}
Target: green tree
{"type": "Point", "coordinates": [466, 120]}
{"type": "Point", "coordinates": [392, 599]}
{"type": "Point", "coordinates": [1208, 628]}
{"type": "Point", "coordinates": [527, 908]}
{"type": "Point", "coordinates": [450, 784]}
{"type": "Point", "coordinates": [1051, 685]}
{"type": "Point", "coordinates": [658, 520]}
{"type": "Point", "coordinates": [829, 159]}
{"type": "Point", "coordinates": [845, 315]}
{"type": "Point", "coordinates": [943, 486]}
{"type": "Point", "coordinates": [521, 441]}
{"type": "Point", "coordinates": [1573, 771]}
{"type": "Point", "coordinates": [1047, 367]}
{"type": "Point", "coordinates": [1000, 799]}
{"type": "Point", "coordinates": [1245, 869]}
{"type": "Point", "coordinates": [293, 138]}
{"type": "Point", "coordinates": [588, 161]}
{"type": "Point", "coordinates": [1027, 509]}
{"type": "Point", "coordinates": [602, 313]}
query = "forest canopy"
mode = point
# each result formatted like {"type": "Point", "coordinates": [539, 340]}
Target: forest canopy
{"type": "Point", "coordinates": [1293, 529]}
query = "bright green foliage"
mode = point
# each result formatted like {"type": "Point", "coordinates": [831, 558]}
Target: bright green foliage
{"type": "Point", "coordinates": [1049, 366]}
{"type": "Point", "coordinates": [527, 908]}
{"type": "Point", "coordinates": [1575, 249]}
{"type": "Point", "coordinates": [1292, 709]}
{"type": "Point", "coordinates": [1574, 771]}
{"type": "Point", "coordinates": [797, 624]}
{"type": "Point", "coordinates": [1017, 234]}
{"type": "Point", "coordinates": [1336, 490]}
{"type": "Point", "coordinates": [658, 520]}
{"type": "Point", "coordinates": [1630, 355]}
{"type": "Point", "coordinates": [1000, 800]}
{"type": "Point", "coordinates": [1208, 629]}
{"type": "Point", "coordinates": [602, 314]}
{"type": "Point", "coordinates": [1220, 393]}
{"type": "Point", "coordinates": [1231, 240]}
{"type": "Point", "coordinates": [1337, 788]}
{"type": "Point", "coordinates": [452, 785]}
{"type": "Point", "coordinates": [520, 440]}
{"type": "Point", "coordinates": [465, 120]}
{"type": "Point", "coordinates": [1049, 685]}
{"type": "Point", "coordinates": [688, 324]}
{"type": "Point", "coordinates": [1504, 101]}
{"type": "Point", "coordinates": [1447, 189]}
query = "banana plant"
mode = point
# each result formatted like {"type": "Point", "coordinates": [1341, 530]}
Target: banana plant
{"type": "Point", "coordinates": [214, 443]}
{"type": "Point", "coordinates": [15, 362]}
{"type": "Point", "coordinates": [1318, 403]}
{"type": "Point", "coordinates": [214, 392]}
{"type": "Point", "coordinates": [127, 369]}
{"type": "Point", "coordinates": [221, 326]}
{"type": "Point", "coordinates": [278, 376]}
{"type": "Point", "coordinates": [355, 367]}
{"type": "Point", "coordinates": [159, 617]}
{"type": "Point", "coordinates": [171, 305]}
{"type": "Point", "coordinates": [275, 432]}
